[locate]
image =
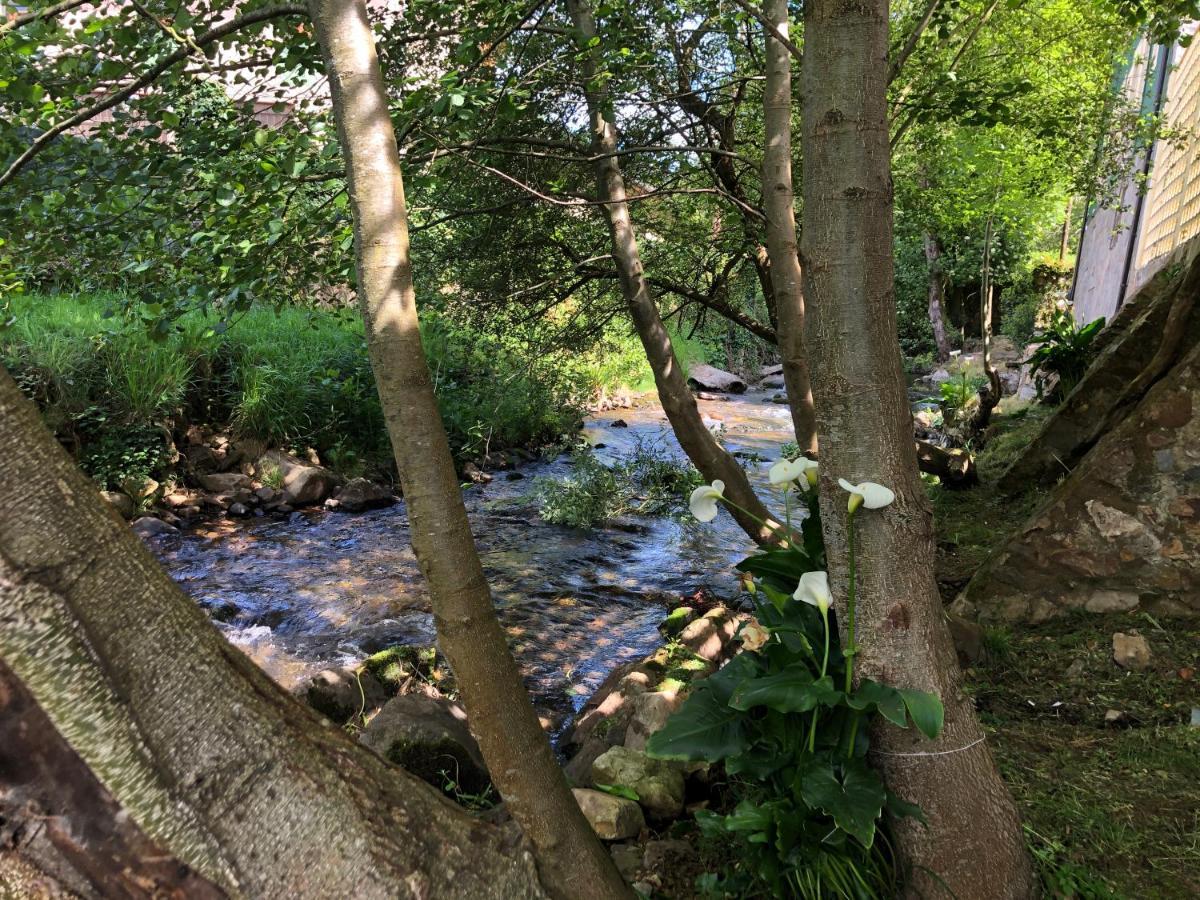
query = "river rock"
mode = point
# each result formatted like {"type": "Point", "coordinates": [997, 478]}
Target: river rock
{"type": "Point", "coordinates": [708, 636]}
{"type": "Point", "coordinates": [1131, 651]}
{"type": "Point", "coordinates": [430, 739]}
{"type": "Point", "coordinates": [119, 501]}
{"type": "Point", "coordinates": [710, 378]}
{"type": "Point", "coordinates": [612, 818]}
{"type": "Point", "coordinates": [148, 526]}
{"type": "Point", "coordinates": [336, 693]}
{"type": "Point", "coordinates": [359, 494]}
{"type": "Point", "coordinates": [302, 484]}
{"type": "Point", "coordinates": [768, 371]}
{"type": "Point", "coordinates": [651, 711]}
{"type": "Point", "coordinates": [658, 783]}
{"type": "Point", "coordinates": [224, 482]}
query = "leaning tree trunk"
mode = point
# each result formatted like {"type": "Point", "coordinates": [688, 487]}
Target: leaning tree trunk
{"type": "Point", "coordinates": [211, 760]}
{"type": "Point", "coordinates": [974, 839]}
{"type": "Point", "coordinates": [572, 862]}
{"type": "Point", "coordinates": [779, 207]}
{"type": "Point", "coordinates": [678, 403]}
{"type": "Point", "coordinates": [937, 290]}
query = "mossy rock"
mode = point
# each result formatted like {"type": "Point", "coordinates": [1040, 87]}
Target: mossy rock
{"type": "Point", "coordinates": [396, 665]}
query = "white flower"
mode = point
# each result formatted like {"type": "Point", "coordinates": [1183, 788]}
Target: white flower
{"type": "Point", "coordinates": [955, 354]}
{"type": "Point", "coordinates": [814, 590]}
{"type": "Point", "coordinates": [785, 472]}
{"type": "Point", "coordinates": [753, 635]}
{"type": "Point", "coordinates": [869, 494]}
{"type": "Point", "coordinates": [704, 499]}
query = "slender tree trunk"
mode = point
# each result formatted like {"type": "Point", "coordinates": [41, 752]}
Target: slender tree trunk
{"type": "Point", "coordinates": [572, 862]}
{"type": "Point", "coordinates": [779, 206]}
{"type": "Point", "coordinates": [678, 403]}
{"type": "Point", "coordinates": [937, 312]}
{"type": "Point", "coordinates": [211, 760]}
{"type": "Point", "coordinates": [1065, 243]}
{"type": "Point", "coordinates": [987, 294]}
{"type": "Point", "coordinates": [974, 839]}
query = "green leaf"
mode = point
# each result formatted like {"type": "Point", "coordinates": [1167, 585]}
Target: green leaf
{"type": "Point", "coordinates": [705, 727]}
{"type": "Point", "coordinates": [899, 808]}
{"type": "Point", "coordinates": [855, 800]}
{"type": "Point", "coordinates": [887, 700]}
{"type": "Point", "coordinates": [926, 710]}
{"type": "Point", "coordinates": [620, 790]}
{"type": "Point", "coordinates": [792, 690]}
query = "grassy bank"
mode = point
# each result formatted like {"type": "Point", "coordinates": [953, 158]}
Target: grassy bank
{"type": "Point", "coordinates": [1110, 806]}
{"type": "Point", "coordinates": [112, 389]}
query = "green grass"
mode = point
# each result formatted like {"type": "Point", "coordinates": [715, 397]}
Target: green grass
{"type": "Point", "coordinates": [295, 377]}
{"type": "Point", "coordinates": [1109, 810]}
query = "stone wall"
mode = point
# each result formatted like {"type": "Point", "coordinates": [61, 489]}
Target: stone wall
{"type": "Point", "coordinates": [1122, 531]}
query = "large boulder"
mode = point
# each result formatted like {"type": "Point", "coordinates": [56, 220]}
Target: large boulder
{"type": "Point", "coordinates": [359, 494]}
{"type": "Point", "coordinates": [430, 739]}
{"type": "Point", "coordinates": [225, 482]}
{"type": "Point", "coordinates": [302, 484]}
{"type": "Point", "coordinates": [612, 818]}
{"type": "Point", "coordinates": [658, 783]}
{"type": "Point", "coordinates": [150, 527]}
{"type": "Point", "coordinates": [121, 502]}
{"type": "Point", "coordinates": [710, 378]}
{"type": "Point", "coordinates": [710, 636]}
{"type": "Point", "coordinates": [342, 694]}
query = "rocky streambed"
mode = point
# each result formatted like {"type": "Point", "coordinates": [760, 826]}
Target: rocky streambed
{"type": "Point", "coordinates": [324, 589]}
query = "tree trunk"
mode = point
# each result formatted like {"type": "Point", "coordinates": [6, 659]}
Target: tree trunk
{"type": "Point", "coordinates": [779, 206]}
{"type": "Point", "coordinates": [212, 760]}
{"type": "Point", "coordinates": [990, 397]}
{"type": "Point", "coordinates": [678, 403]}
{"type": "Point", "coordinates": [974, 839]}
{"type": "Point", "coordinates": [937, 287]}
{"type": "Point", "coordinates": [572, 862]}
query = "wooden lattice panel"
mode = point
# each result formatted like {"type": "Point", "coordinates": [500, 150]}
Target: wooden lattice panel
{"type": "Point", "coordinates": [1172, 211]}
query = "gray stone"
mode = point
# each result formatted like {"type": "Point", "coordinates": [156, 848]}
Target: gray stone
{"type": "Point", "coordinates": [628, 859]}
{"type": "Point", "coordinates": [968, 639]}
{"type": "Point", "coordinates": [1105, 601]}
{"type": "Point", "coordinates": [302, 484]}
{"type": "Point", "coordinates": [612, 818]}
{"type": "Point", "coordinates": [658, 783]}
{"type": "Point", "coordinates": [430, 739]}
{"type": "Point", "coordinates": [650, 713]}
{"type": "Point", "coordinates": [224, 482]}
{"type": "Point", "coordinates": [1076, 669]}
{"type": "Point", "coordinates": [148, 526]}
{"type": "Point", "coordinates": [239, 510]}
{"type": "Point", "coordinates": [1131, 651]}
{"type": "Point", "coordinates": [359, 494]}
{"type": "Point", "coordinates": [122, 503]}
{"type": "Point", "coordinates": [339, 695]}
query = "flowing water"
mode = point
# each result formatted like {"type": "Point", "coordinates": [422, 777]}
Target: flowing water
{"type": "Point", "coordinates": [323, 589]}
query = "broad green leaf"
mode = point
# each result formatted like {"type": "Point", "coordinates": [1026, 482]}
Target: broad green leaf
{"type": "Point", "coordinates": [873, 695]}
{"type": "Point", "coordinates": [705, 727]}
{"type": "Point", "coordinates": [855, 800]}
{"type": "Point", "coordinates": [619, 790]}
{"type": "Point", "coordinates": [926, 710]}
{"type": "Point", "coordinates": [792, 690]}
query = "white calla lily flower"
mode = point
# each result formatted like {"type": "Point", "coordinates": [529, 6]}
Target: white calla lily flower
{"type": "Point", "coordinates": [870, 494]}
{"type": "Point", "coordinates": [785, 472]}
{"type": "Point", "coordinates": [703, 501]}
{"type": "Point", "coordinates": [814, 590]}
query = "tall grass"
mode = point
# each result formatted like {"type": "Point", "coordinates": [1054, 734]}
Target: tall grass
{"type": "Point", "coordinates": [293, 377]}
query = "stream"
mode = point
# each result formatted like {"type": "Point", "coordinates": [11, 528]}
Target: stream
{"type": "Point", "coordinates": [323, 589]}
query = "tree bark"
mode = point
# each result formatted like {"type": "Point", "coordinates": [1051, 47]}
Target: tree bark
{"type": "Point", "coordinates": [678, 403]}
{"type": "Point", "coordinates": [57, 818]}
{"type": "Point", "coordinates": [937, 287]}
{"type": "Point", "coordinates": [779, 206]}
{"type": "Point", "coordinates": [213, 761]}
{"type": "Point", "coordinates": [572, 862]}
{"type": "Point", "coordinates": [974, 841]}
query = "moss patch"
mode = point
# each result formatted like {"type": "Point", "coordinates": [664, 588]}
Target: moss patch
{"type": "Point", "coordinates": [1110, 809]}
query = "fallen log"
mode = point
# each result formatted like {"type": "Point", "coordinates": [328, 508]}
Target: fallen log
{"type": "Point", "coordinates": [956, 468]}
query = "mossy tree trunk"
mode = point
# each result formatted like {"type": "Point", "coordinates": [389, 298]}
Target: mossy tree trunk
{"type": "Point", "coordinates": [212, 761]}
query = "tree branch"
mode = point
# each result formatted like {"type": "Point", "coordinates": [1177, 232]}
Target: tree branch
{"type": "Point", "coordinates": [148, 77]}
{"type": "Point", "coordinates": [771, 29]}
{"type": "Point", "coordinates": [913, 38]}
{"type": "Point", "coordinates": [36, 15]}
